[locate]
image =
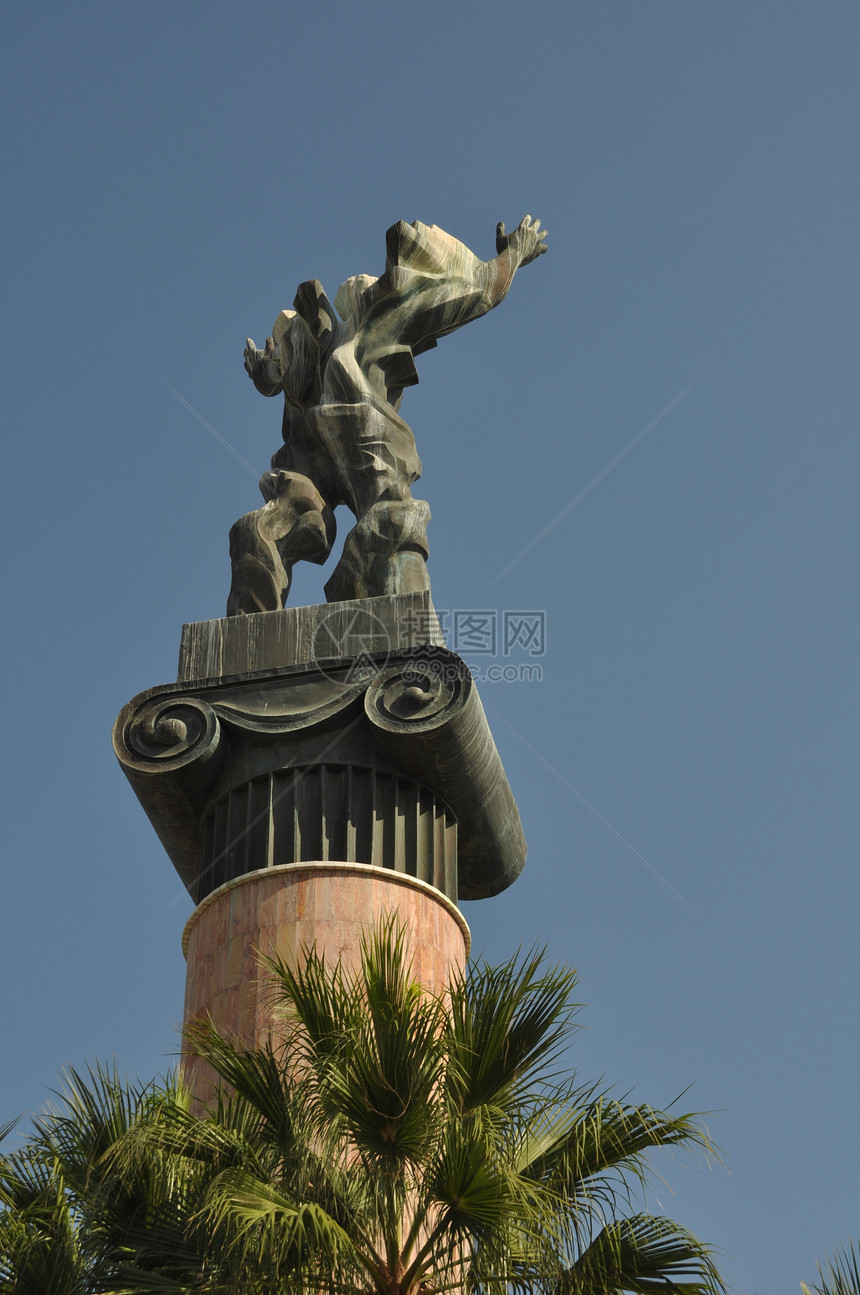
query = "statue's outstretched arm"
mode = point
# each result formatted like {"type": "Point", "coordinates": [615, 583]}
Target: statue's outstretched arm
{"type": "Point", "coordinates": [433, 284]}
{"type": "Point", "coordinates": [523, 245]}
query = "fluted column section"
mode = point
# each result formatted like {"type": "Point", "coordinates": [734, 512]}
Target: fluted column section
{"type": "Point", "coordinates": [330, 812]}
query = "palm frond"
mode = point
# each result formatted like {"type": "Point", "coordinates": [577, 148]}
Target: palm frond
{"type": "Point", "coordinates": [840, 1275]}
{"type": "Point", "coordinates": [608, 1143]}
{"type": "Point", "coordinates": [644, 1255]}
{"type": "Point", "coordinates": [266, 1225]}
{"type": "Point", "coordinates": [507, 1025]}
{"type": "Point", "coordinates": [6, 1129]}
{"type": "Point", "coordinates": [260, 1077]}
{"type": "Point", "coordinates": [93, 1112]}
{"type": "Point", "coordinates": [40, 1252]}
{"type": "Point", "coordinates": [369, 1047]}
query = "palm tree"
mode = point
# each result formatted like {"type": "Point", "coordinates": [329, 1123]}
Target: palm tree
{"type": "Point", "coordinates": [403, 1144]}
{"type": "Point", "coordinates": [76, 1217]}
{"type": "Point", "coordinates": [839, 1276]}
{"type": "Point", "coordinates": [385, 1142]}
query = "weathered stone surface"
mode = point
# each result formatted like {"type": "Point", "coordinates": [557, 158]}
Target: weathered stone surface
{"type": "Point", "coordinates": [298, 635]}
{"type": "Point", "coordinates": [232, 771]}
{"type": "Point", "coordinates": [295, 523]}
{"type": "Point", "coordinates": [385, 553]}
{"type": "Point", "coordinates": [343, 379]}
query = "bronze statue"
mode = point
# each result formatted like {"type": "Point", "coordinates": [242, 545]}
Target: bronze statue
{"type": "Point", "coordinates": [344, 441]}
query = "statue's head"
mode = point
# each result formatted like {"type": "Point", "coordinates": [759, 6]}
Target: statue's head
{"type": "Point", "coordinates": [349, 294]}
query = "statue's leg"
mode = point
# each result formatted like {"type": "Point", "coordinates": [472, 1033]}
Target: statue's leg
{"type": "Point", "coordinates": [296, 524]}
{"type": "Point", "coordinates": [385, 552]}
{"type": "Point", "coordinates": [375, 461]}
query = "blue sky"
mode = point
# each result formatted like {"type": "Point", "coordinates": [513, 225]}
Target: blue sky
{"type": "Point", "coordinates": [686, 769]}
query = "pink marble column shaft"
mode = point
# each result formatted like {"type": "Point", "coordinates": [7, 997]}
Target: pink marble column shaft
{"type": "Point", "coordinates": [285, 909]}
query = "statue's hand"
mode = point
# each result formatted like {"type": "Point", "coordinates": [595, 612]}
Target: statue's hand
{"type": "Point", "coordinates": [262, 366]}
{"type": "Point", "coordinates": [526, 242]}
